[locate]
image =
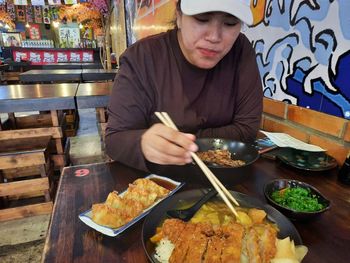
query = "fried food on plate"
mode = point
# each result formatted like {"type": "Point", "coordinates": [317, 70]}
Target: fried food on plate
{"type": "Point", "coordinates": [120, 209]}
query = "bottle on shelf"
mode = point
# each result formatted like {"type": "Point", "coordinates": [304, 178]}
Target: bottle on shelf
{"type": "Point", "coordinates": [344, 172]}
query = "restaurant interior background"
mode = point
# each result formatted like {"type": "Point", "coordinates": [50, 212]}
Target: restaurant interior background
{"type": "Point", "coordinates": [302, 50]}
{"type": "Point", "coordinates": [302, 47]}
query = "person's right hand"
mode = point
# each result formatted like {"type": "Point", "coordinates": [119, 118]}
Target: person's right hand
{"type": "Point", "coordinates": [163, 145]}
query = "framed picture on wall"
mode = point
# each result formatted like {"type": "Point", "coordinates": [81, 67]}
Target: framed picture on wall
{"type": "Point", "coordinates": [11, 39]}
{"type": "Point", "coordinates": [34, 31]}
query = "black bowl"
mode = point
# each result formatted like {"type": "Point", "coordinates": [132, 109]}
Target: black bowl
{"type": "Point", "coordinates": [239, 151]}
{"type": "Point", "coordinates": [305, 160]}
{"type": "Point", "coordinates": [279, 184]}
{"type": "Point", "coordinates": [227, 175]}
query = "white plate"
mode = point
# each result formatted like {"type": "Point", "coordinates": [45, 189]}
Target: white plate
{"type": "Point", "coordinates": [86, 216]}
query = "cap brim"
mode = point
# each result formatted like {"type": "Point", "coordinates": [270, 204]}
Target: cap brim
{"type": "Point", "coordinates": [235, 8]}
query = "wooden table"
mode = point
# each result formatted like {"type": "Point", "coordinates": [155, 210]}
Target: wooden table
{"type": "Point", "coordinates": [51, 75]}
{"type": "Point", "coordinates": [95, 95]}
{"type": "Point", "coordinates": [72, 65]}
{"type": "Point", "coordinates": [68, 239]}
{"type": "Point", "coordinates": [37, 97]}
{"type": "Point", "coordinates": [62, 66]}
{"type": "Point", "coordinates": [95, 65]}
{"type": "Point", "coordinates": [52, 98]}
{"type": "Point", "coordinates": [98, 74]}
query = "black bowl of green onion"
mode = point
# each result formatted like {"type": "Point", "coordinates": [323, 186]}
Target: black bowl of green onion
{"type": "Point", "coordinates": [296, 200]}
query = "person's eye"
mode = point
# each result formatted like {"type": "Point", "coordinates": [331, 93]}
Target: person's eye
{"type": "Point", "coordinates": [231, 23]}
{"type": "Point", "coordinates": [201, 19]}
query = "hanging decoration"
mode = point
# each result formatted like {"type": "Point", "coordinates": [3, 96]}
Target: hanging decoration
{"type": "Point", "coordinates": [70, 2]}
{"type": "Point", "coordinates": [11, 11]}
{"type": "Point", "coordinates": [54, 13]}
{"type": "Point", "coordinates": [102, 6]}
{"type": "Point", "coordinates": [81, 13]}
{"type": "Point", "coordinates": [20, 2]}
{"type": "Point", "coordinates": [29, 14]}
{"type": "Point", "coordinates": [54, 2]}
{"type": "Point", "coordinates": [46, 14]}
{"type": "Point", "coordinates": [105, 7]}
{"type": "Point", "coordinates": [5, 18]}
{"type": "Point", "coordinates": [21, 13]}
{"type": "Point", "coordinates": [38, 15]}
{"type": "Point", "coordinates": [38, 2]}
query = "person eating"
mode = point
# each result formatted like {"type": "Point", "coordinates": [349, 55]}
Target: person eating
{"type": "Point", "coordinates": [203, 73]}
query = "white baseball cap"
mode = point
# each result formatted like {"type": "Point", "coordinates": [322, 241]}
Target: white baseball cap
{"type": "Point", "coordinates": [238, 8]}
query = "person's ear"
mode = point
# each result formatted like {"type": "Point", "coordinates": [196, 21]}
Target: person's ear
{"type": "Point", "coordinates": [178, 19]}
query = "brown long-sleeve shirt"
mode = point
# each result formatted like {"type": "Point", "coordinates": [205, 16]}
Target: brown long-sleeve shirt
{"type": "Point", "coordinates": [154, 75]}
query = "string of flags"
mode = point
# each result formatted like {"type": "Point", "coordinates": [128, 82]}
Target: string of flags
{"type": "Point", "coordinates": [35, 11]}
{"type": "Point", "coordinates": [42, 2]}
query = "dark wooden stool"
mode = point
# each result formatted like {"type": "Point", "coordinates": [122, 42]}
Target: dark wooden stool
{"type": "Point", "coordinates": [25, 172]}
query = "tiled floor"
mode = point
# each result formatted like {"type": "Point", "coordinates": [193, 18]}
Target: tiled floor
{"type": "Point", "coordinates": [23, 240]}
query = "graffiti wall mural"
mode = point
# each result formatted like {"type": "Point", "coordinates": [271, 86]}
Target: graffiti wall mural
{"type": "Point", "coordinates": [302, 47]}
{"type": "Point", "coordinates": [303, 52]}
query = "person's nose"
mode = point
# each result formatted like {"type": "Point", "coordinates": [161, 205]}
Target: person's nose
{"type": "Point", "coordinates": [214, 33]}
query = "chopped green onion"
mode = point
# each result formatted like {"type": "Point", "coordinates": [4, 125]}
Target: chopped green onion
{"type": "Point", "coordinates": [297, 198]}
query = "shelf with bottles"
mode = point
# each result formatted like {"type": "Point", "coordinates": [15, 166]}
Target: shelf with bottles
{"type": "Point", "coordinates": [38, 43]}
{"type": "Point", "coordinates": [87, 43]}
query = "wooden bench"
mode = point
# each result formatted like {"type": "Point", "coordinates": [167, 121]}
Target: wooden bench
{"type": "Point", "coordinates": [25, 172]}
{"type": "Point", "coordinates": [53, 102]}
{"type": "Point", "coordinates": [51, 124]}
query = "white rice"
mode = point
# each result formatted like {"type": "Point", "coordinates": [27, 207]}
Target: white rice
{"type": "Point", "coordinates": [164, 250]}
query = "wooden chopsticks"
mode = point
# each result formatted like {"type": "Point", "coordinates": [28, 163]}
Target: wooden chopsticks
{"type": "Point", "coordinates": [219, 187]}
